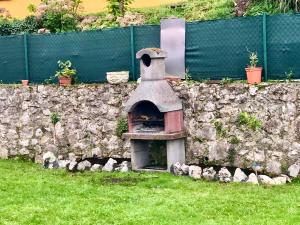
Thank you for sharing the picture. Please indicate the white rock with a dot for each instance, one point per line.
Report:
(280, 180)
(125, 167)
(209, 173)
(293, 170)
(195, 172)
(96, 167)
(185, 169)
(176, 169)
(224, 175)
(252, 179)
(84, 165)
(72, 166)
(264, 179)
(239, 176)
(63, 163)
(49, 157)
(110, 165)
(288, 179)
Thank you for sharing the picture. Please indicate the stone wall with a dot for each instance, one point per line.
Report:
(89, 114)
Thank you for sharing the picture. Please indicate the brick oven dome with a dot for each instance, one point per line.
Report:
(160, 93)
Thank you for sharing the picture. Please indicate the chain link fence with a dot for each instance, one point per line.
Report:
(214, 50)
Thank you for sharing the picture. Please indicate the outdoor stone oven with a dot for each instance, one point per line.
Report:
(154, 116)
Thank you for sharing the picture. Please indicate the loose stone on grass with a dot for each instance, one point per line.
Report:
(50, 160)
(96, 167)
(63, 163)
(252, 179)
(280, 180)
(224, 175)
(124, 167)
(84, 165)
(110, 165)
(195, 172)
(72, 167)
(293, 170)
(209, 174)
(239, 176)
(176, 169)
(185, 169)
(264, 179)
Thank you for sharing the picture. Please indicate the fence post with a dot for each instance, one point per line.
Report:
(132, 46)
(265, 46)
(26, 57)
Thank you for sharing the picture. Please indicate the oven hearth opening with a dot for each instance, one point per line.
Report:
(146, 118)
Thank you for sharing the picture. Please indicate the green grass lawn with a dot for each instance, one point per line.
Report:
(32, 195)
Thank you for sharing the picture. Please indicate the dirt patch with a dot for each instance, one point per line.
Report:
(124, 181)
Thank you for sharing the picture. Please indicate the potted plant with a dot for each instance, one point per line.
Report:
(66, 73)
(25, 83)
(253, 72)
(117, 77)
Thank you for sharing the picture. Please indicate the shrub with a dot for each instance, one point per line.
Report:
(5, 27)
(118, 7)
(14, 26)
(58, 15)
(59, 22)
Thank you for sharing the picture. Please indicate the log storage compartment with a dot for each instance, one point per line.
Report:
(154, 114)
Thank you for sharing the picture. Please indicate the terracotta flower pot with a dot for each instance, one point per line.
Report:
(65, 81)
(254, 75)
(25, 83)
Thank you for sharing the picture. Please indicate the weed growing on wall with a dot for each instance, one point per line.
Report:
(226, 80)
(122, 126)
(234, 140)
(221, 131)
(54, 118)
(231, 155)
(251, 122)
(289, 75)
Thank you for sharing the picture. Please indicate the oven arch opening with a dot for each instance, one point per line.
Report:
(146, 117)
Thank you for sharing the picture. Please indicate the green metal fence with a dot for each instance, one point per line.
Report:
(214, 50)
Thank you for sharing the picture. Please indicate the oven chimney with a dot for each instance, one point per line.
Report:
(152, 64)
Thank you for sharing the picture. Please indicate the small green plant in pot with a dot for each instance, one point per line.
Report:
(253, 72)
(66, 74)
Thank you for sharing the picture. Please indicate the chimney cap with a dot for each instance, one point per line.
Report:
(154, 53)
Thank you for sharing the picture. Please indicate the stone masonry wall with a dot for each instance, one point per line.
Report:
(89, 115)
